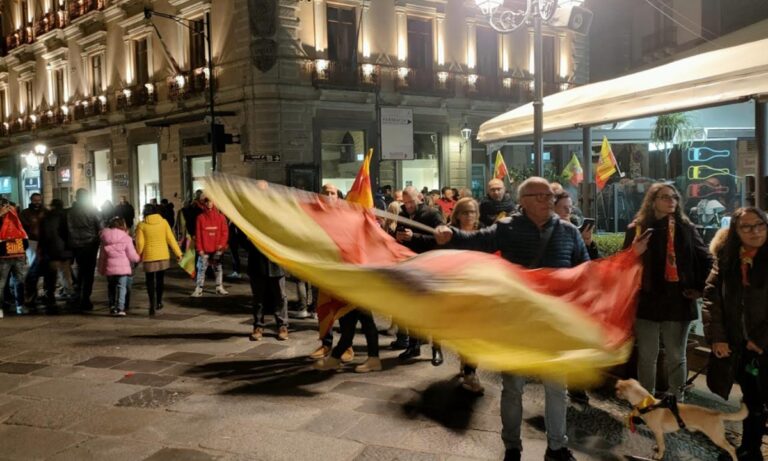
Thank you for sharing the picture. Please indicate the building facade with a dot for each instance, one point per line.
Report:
(121, 98)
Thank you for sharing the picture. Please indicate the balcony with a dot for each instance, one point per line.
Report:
(512, 89)
(136, 96)
(339, 74)
(23, 36)
(425, 81)
(188, 84)
(79, 8)
(53, 118)
(91, 107)
(50, 21)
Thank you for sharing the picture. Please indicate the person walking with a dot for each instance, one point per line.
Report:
(83, 229)
(126, 211)
(210, 241)
(116, 258)
(736, 298)
(55, 255)
(153, 239)
(267, 281)
(30, 219)
(13, 257)
(675, 268)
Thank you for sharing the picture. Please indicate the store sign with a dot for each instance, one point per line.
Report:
(269, 158)
(65, 174)
(120, 179)
(32, 183)
(396, 134)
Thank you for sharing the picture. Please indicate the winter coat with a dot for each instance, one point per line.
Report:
(116, 253)
(190, 213)
(127, 212)
(258, 264)
(30, 219)
(153, 237)
(83, 226)
(212, 233)
(491, 209)
(54, 235)
(520, 240)
(421, 242)
(658, 299)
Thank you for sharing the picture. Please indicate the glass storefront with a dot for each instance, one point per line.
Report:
(30, 179)
(101, 174)
(421, 172)
(198, 168)
(342, 154)
(148, 169)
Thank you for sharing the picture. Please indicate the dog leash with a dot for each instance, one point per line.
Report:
(650, 404)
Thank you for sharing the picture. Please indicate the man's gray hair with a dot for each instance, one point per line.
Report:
(525, 185)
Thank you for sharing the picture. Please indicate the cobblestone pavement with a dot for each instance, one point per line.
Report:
(189, 385)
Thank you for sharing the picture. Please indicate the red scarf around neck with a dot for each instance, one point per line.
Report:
(670, 264)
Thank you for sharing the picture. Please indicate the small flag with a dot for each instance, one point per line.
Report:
(361, 189)
(500, 168)
(188, 258)
(573, 171)
(606, 166)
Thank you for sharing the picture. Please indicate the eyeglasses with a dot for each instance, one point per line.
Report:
(757, 228)
(669, 198)
(544, 197)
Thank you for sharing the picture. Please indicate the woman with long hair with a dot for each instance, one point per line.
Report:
(675, 268)
(153, 238)
(736, 297)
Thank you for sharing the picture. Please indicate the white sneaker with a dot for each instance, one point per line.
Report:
(302, 314)
(234, 275)
(221, 291)
(21, 310)
(1, 313)
(197, 293)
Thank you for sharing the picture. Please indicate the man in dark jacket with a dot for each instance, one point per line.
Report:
(30, 218)
(535, 238)
(83, 228)
(420, 242)
(497, 204)
(54, 254)
(192, 211)
(126, 211)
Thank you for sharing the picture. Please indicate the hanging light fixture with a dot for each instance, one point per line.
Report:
(466, 132)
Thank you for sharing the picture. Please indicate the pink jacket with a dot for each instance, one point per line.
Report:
(116, 253)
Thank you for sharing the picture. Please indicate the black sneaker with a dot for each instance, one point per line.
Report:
(114, 311)
(399, 344)
(562, 454)
(512, 454)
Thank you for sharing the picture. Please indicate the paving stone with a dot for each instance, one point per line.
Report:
(186, 357)
(152, 398)
(20, 368)
(107, 448)
(72, 389)
(333, 422)
(375, 391)
(52, 414)
(24, 443)
(473, 444)
(116, 421)
(147, 379)
(181, 454)
(55, 371)
(105, 375)
(174, 317)
(35, 356)
(180, 369)
(378, 453)
(10, 405)
(146, 366)
(102, 362)
(264, 350)
(9, 382)
(383, 430)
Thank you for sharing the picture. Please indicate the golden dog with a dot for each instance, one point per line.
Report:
(661, 420)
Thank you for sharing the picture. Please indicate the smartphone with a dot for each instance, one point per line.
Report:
(400, 228)
(647, 233)
(587, 224)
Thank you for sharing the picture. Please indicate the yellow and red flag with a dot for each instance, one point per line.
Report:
(560, 324)
(606, 166)
(573, 172)
(361, 189)
(499, 167)
(188, 258)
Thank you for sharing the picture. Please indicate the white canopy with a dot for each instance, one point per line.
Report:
(717, 77)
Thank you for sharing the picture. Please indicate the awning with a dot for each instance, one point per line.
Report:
(714, 78)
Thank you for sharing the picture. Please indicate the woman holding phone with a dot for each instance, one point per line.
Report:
(675, 268)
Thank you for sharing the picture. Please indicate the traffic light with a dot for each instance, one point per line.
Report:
(221, 138)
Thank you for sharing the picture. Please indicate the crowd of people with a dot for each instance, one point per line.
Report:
(731, 277)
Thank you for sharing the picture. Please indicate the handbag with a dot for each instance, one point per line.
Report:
(721, 374)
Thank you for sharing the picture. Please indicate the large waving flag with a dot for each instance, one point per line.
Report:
(606, 166)
(561, 324)
(499, 167)
(573, 172)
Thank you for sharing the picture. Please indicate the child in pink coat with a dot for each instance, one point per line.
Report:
(116, 256)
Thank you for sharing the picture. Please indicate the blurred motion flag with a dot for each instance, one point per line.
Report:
(188, 258)
(500, 168)
(559, 324)
(330, 309)
(573, 172)
(606, 166)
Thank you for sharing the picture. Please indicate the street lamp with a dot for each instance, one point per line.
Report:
(506, 20)
(148, 13)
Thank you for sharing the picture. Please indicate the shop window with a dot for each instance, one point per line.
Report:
(197, 44)
(141, 61)
(487, 52)
(58, 87)
(342, 155)
(198, 168)
(101, 176)
(420, 44)
(423, 170)
(148, 168)
(341, 33)
(96, 74)
(29, 94)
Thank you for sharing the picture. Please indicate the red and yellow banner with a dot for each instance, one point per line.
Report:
(606, 166)
(555, 324)
(499, 167)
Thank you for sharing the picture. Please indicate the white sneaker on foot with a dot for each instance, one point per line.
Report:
(197, 293)
(221, 291)
(302, 314)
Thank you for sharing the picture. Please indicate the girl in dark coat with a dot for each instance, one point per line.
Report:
(675, 268)
(736, 297)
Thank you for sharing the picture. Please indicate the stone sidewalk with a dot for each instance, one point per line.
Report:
(189, 385)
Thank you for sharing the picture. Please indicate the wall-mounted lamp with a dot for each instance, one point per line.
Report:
(466, 132)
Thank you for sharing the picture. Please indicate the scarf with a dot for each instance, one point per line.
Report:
(747, 259)
(670, 264)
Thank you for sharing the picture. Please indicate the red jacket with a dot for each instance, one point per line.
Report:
(212, 232)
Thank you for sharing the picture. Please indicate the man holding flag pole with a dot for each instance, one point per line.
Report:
(497, 203)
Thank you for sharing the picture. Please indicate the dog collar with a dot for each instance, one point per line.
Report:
(637, 410)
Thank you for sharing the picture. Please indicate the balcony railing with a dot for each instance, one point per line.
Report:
(344, 75)
(91, 107)
(53, 117)
(50, 21)
(136, 96)
(23, 36)
(425, 81)
(78, 8)
(188, 84)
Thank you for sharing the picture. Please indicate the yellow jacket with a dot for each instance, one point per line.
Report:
(153, 237)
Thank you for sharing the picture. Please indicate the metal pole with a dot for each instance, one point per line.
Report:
(210, 90)
(538, 93)
(761, 136)
(586, 190)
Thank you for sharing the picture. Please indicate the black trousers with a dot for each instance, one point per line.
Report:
(86, 266)
(155, 287)
(753, 387)
(269, 292)
(348, 323)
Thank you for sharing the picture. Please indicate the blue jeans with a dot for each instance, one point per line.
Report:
(203, 262)
(555, 406)
(13, 285)
(117, 290)
(674, 334)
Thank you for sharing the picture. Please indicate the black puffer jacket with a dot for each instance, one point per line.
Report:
(83, 226)
(54, 235)
(421, 242)
(491, 210)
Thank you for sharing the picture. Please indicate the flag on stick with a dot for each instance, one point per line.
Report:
(500, 168)
(606, 166)
(573, 171)
(188, 258)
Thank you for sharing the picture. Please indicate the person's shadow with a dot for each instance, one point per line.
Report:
(446, 403)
